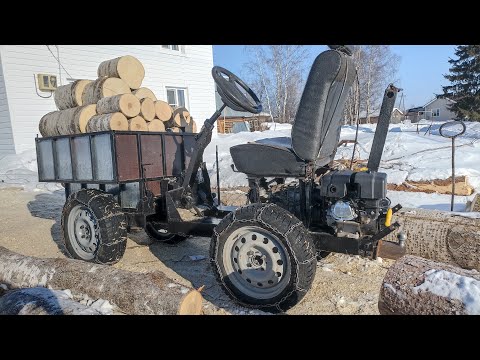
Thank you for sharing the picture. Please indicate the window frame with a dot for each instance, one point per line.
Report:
(170, 47)
(176, 89)
(436, 112)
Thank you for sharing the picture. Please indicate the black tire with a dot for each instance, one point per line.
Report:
(289, 231)
(107, 224)
(154, 232)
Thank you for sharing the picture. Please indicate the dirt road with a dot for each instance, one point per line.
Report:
(343, 284)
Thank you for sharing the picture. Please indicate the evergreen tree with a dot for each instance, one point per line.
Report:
(465, 82)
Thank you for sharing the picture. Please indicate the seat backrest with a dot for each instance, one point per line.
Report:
(317, 125)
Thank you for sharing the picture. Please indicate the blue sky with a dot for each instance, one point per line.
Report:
(420, 73)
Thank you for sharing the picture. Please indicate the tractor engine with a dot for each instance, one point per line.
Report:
(350, 204)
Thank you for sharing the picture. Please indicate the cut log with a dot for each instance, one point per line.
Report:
(147, 110)
(451, 238)
(163, 110)
(127, 104)
(180, 117)
(106, 122)
(127, 68)
(137, 123)
(417, 286)
(133, 293)
(48, 124)
(70, 95)
(143, 93)
(156, 126)
(102, 88)
(66, 122)
(42, 301)
(175, 130)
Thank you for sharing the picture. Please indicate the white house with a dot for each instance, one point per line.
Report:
(439, 109)
(175, 73)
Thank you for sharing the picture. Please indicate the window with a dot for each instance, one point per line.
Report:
(176, 97)
(435, 112)
(172, 47)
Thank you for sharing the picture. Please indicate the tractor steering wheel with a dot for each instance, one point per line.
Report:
(230, 89)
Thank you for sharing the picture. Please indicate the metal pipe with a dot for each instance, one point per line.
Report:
(218, 175)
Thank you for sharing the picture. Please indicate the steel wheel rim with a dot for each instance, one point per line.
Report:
(257, 262)
(83, 232)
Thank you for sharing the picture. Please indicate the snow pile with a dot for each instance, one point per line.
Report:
(452, 286)
(21, 170)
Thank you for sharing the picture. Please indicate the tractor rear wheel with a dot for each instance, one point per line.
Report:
(94, 227)
(263, 257)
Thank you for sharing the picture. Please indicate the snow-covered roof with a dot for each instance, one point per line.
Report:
(439, 97)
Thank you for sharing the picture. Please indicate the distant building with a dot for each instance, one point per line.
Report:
(436, 109)
(397, 117)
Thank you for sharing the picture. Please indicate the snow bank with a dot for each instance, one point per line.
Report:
(407, 156)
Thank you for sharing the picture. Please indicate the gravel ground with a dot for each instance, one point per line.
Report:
(343, 284)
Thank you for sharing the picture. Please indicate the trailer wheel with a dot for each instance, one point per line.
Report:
(263, 257)
(94, 228)
(158, 233)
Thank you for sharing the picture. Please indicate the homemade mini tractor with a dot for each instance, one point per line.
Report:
(264, 254)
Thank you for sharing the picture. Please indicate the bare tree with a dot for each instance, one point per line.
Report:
(377, 66)
(276, 72)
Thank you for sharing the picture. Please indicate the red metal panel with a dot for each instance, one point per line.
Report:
(127, 157)
(154, 187)
(152, 155)
(173, 154)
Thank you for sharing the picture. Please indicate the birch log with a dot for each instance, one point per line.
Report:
(147, 109)
(42, 301)
(137, 123)
(156, 126)
(66, 122)
(70, 95)
(133, 293)
(163, 110)
(143, 93)
(192, 126)
(418, 286)
(107, 122)
(127, 68)
(102, 88)
(180, 117)
(127, 104)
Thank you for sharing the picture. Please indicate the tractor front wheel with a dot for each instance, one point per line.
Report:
(263, 257)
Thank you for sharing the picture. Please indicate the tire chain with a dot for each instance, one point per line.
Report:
(257, 218)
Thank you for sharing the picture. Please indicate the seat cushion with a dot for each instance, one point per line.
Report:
(268, 157)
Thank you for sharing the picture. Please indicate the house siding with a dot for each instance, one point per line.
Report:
(189, 69)
(441, 104)
(6, 137)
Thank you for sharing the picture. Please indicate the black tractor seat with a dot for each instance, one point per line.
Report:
(268, 157)
(316, 130)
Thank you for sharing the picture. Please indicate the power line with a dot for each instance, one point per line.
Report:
(51, 52)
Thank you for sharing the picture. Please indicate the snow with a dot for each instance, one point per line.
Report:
(453, 286)
(407, 156)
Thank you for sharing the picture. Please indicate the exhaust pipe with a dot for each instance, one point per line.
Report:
(382, 127)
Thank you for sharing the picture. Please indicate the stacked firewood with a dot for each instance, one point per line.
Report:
(114, 101)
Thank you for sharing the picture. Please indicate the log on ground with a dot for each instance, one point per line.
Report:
(70, 95)
(418, 286)
(128, 68)
(106, 122)
(127, 104)
(442, 236)
(42, 301)
(133, 293)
